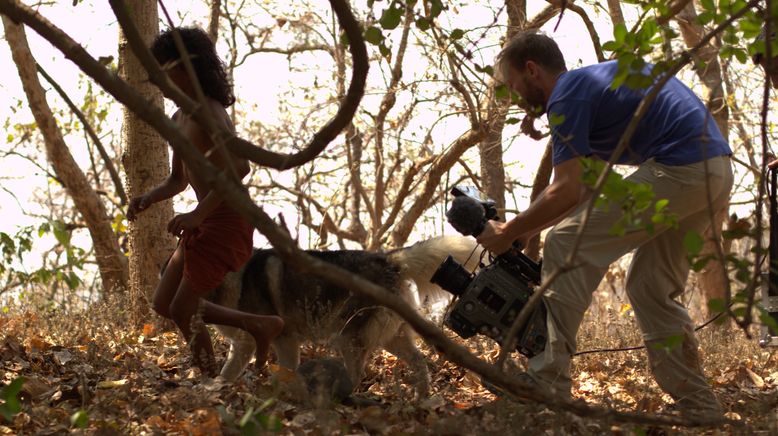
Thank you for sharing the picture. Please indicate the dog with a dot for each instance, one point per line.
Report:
(315, 310)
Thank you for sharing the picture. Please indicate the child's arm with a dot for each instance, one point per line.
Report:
(173, 184)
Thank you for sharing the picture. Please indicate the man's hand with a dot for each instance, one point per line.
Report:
(184, 222)
(495, 238)
(137, 205)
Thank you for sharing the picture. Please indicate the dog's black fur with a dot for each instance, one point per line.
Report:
(316, 310)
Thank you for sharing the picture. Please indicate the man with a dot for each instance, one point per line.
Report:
(678, 151)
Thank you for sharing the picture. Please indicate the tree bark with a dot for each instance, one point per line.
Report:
(146, 164)
(110, 260)
(490, 149)
(213, 20)
(614, 10)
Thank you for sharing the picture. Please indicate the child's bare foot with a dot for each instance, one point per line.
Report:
(264, 329)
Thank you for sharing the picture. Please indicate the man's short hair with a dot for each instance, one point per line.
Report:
(531, 46)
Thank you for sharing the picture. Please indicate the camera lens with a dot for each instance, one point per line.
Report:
(452, 277)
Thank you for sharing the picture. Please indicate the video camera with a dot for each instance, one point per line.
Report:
(490, 299)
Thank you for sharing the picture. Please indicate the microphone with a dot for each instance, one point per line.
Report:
(466, 215)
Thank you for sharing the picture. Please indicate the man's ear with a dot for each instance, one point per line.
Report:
(532, 69)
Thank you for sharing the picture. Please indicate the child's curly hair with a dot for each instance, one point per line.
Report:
(209, 68)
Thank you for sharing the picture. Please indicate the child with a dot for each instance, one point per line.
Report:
(214, 239)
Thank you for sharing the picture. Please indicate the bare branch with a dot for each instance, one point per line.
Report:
(115, 178)
(213, 20)
(241, 147)
(590, 28)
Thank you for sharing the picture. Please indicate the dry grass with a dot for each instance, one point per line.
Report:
(141, 382)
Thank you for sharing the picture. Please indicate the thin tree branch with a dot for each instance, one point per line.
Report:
(115, 178)
(241, 147)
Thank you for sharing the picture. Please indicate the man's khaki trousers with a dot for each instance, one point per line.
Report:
(657, 275)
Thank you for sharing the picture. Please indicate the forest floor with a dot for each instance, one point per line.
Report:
(91, 374)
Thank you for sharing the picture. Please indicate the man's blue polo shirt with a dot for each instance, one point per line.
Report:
(587, 118)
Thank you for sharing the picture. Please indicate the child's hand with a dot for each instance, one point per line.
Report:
(184, 222)
(136, 206)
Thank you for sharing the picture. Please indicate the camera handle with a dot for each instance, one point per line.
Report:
(468, 215)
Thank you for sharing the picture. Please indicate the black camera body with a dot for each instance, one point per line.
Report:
(489, 300)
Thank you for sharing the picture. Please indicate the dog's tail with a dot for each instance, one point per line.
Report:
(419, 262)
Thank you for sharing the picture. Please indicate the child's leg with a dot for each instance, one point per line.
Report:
(183, 309)
(169, 282)
(263, 328)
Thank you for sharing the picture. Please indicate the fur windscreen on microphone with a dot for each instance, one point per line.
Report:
(466, 215)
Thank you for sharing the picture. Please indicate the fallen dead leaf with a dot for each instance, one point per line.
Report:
(755, 378)
(149, 330)
(110, 384)
(62, 357)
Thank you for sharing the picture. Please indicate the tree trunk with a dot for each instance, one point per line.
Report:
(541, 182)
(712, 279)
(614, 10)
(146, 164)
(213, 20)
(490, 149)
(110, 259)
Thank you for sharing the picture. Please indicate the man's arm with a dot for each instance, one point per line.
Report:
(555, 202)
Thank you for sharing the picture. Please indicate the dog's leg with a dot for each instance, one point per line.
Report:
(287, 348)
(403, 347)
(242, 347)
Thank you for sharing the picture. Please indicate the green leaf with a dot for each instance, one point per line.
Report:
(741, 55)
(487, 69)
(620, 32)
(512, 120)
(436, 7)
(501, 92)
(9, 395)
(373, 35)
(79, 419)
(717, 305)
(391, 18)
(555, 119)
(61, 233)
(423, 24)
(693, 243)
(767, 319)
(611, 46)
(385, 51)
(661, 204)
(456, 34)
(72, 280)
(708, 5)
(669, 343)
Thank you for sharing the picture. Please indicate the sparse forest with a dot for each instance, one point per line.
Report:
(357, 117)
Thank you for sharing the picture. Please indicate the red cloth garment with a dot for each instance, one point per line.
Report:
(222, 243)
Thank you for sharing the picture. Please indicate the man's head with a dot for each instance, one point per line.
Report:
(770, 65)
(202, 53)
(529, 64)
